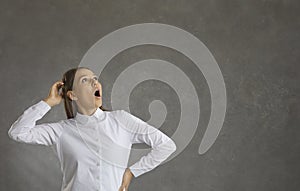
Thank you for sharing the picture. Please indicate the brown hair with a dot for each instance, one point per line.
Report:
(68, 79)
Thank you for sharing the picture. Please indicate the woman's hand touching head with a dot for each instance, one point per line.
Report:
(54, 97)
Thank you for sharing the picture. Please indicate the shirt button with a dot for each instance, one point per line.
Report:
(98, 163)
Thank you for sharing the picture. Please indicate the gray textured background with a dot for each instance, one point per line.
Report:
(256, 44)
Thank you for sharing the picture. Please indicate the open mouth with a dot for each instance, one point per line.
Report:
(97, 93)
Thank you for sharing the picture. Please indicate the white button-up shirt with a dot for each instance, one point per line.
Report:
(94, 150)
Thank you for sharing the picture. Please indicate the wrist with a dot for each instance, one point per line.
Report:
(48, 102)
(128, 170)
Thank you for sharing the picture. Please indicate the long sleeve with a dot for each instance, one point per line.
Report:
(141, 132)
(25, 130)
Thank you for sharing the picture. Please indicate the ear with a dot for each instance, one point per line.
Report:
(72, 95)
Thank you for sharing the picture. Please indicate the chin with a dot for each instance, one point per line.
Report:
(98, 105)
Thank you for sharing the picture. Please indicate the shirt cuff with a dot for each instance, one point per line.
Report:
(42, 106)
(135, 172)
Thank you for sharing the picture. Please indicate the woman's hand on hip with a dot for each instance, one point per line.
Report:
(54, 98)
(127, 176)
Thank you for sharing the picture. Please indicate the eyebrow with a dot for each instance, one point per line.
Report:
(86, 75)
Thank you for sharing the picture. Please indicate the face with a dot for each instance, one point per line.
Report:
(84, 90)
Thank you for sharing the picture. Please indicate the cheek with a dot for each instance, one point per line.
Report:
(84, 93)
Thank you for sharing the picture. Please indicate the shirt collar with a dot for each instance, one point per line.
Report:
(97, 115)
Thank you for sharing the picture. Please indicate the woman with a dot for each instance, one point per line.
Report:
(92, 144)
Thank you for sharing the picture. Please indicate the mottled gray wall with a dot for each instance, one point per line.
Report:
(256, 44)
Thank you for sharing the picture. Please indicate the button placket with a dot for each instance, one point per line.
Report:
(98, 161)
(98, 176)
(100, 165)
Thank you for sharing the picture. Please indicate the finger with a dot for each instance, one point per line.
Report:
(125, 187)
(122, 188)
(59, 83)
(54, 87)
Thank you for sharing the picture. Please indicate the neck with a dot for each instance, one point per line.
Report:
(85, 111)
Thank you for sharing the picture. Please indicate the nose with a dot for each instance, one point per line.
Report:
(94, 82)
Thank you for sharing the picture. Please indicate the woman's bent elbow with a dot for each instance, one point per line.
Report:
(173, 146)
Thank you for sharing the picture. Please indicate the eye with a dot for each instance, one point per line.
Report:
(83, 80)
(95, 78)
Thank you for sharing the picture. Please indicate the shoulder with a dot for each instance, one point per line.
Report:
(118, 111)
(64, 124)
(126, 119)
(118, 115)
(131, 121)
(123, 115)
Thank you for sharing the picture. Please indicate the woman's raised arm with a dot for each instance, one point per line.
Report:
(25, 130)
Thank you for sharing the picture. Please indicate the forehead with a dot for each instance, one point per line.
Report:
(82, 72)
